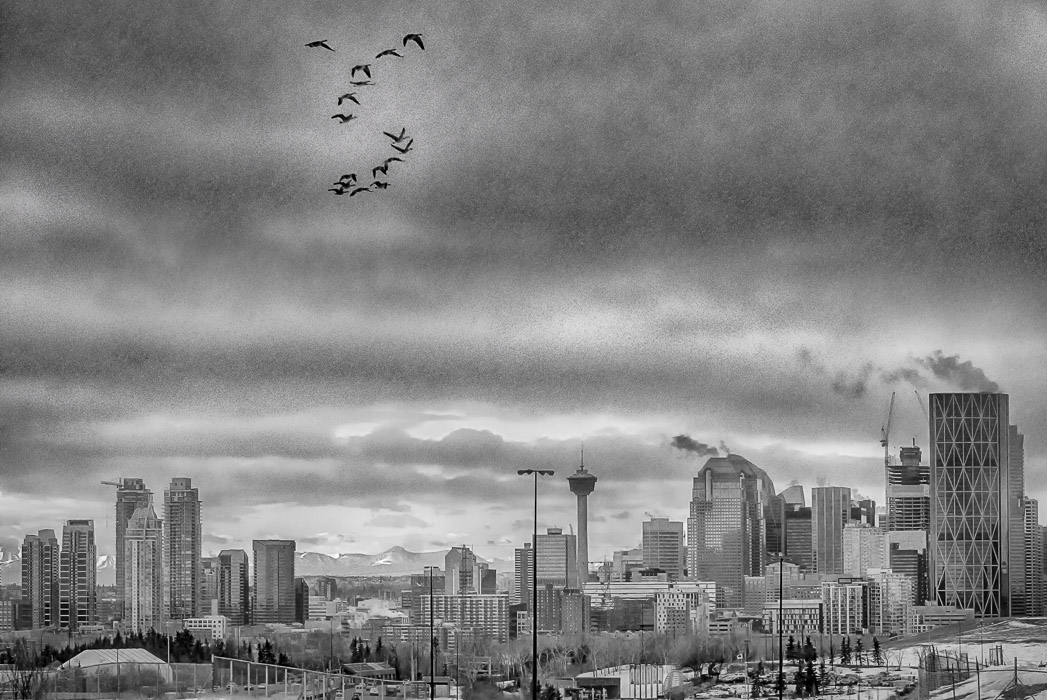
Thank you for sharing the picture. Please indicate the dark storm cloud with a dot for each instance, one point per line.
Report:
(853, 386)
(961, 374)
(688, 444)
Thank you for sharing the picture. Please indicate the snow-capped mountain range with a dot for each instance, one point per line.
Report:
(396, 561)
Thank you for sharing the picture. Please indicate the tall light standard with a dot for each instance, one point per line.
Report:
(781, 626)
(534, 579)
(432, 639)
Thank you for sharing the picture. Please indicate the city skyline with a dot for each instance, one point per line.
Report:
(741, 224)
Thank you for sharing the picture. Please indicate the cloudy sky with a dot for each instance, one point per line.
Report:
(743, 222)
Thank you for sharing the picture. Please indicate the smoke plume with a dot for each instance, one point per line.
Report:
(689, 444)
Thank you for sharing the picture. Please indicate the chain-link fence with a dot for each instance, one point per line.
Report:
(106, 680)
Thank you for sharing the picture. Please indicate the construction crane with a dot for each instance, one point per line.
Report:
(885, 436)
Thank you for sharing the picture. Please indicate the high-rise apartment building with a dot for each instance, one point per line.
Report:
(144, 571)
(488, 615)
(76, 589)
(522, 574)
(233, 586)
(726, 530)
(970, 507)
(864, 548)
(556, 559)
(273, 591)
(131, 494)
(663, 547)
(40, 579)
(182, 544)
(830, 511)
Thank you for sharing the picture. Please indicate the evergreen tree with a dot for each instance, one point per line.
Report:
(790, 649)
(845, 651)
(832, 651)
(859, 653)
(809, 654)
(877, 652)
(798, 680)
(810, 679)
(823, 676)
(283, 660)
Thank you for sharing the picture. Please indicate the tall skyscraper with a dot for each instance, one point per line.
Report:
(970, 507)
(582, 484)
(144, 570)
(233, 586)
(663, 546)
(460, 571)
(182, 545)
(208, 585)
(76, 591)
(909, 520)
(1035, 591)
(131, 494)
(273, 591)
(40, 579)
(726, 530)
(830, 511)
(1020, 584)
(555, 557)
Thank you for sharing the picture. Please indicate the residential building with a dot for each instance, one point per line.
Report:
(182, 546)
(234, 601)
(864, 548)
(273, 592)
(845, 607)
(726, 530)
(487, 614)
(144, 571)
(522, 573)
(663, 546)
(681, 611)
(76, 589)
(830, 511)
(891, 597)
(970, 510)
(800, 617)
(131, 494)
(41, 579)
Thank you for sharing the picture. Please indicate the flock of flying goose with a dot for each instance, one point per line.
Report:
(349, 183)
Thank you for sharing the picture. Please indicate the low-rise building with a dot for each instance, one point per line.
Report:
(215, 625)
(927, 617)
(799, 616)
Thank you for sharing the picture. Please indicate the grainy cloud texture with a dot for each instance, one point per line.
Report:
(736, 223)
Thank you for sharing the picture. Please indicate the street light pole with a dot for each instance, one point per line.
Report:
(534, 579)
(432, 639)
(781, 627)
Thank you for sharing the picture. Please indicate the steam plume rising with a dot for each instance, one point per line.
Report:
(964, 375)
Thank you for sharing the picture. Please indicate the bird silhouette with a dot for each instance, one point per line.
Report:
(379, 185)
(346, 179)
(343, 118)
(384, 169)
(390, 159)
(405, 149)
(416, 38)
(337, 190)
(348, 96)
(360, 83)
(388, 52)
(358, 190)
(321, 44)
(364, 68)
(397, 139)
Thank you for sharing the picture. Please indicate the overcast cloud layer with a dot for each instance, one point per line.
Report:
(665, 229)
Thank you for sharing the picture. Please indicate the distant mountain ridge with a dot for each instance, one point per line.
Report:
(395, 561)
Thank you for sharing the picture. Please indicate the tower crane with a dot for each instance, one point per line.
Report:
(885, 435)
